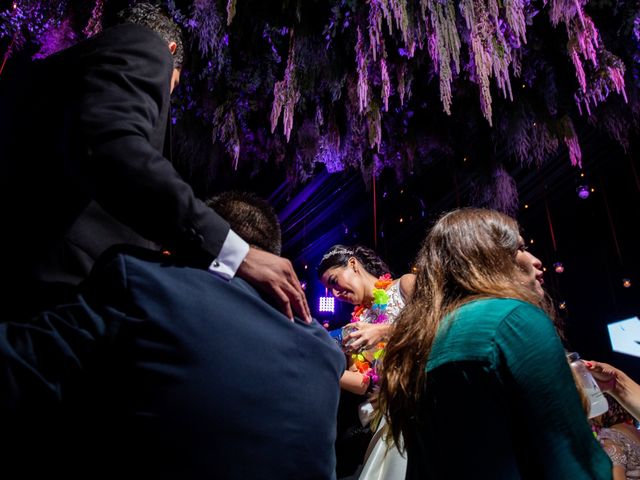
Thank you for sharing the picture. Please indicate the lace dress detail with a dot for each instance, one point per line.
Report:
(622, 450)
(395, 305)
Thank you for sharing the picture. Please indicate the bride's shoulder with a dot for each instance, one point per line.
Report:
(407, 283)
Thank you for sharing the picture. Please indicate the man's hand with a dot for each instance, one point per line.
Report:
(275, 276)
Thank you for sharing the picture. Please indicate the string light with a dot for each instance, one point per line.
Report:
(558, 267)
(562, 306)
(626, 282)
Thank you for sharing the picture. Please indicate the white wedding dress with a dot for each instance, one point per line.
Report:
(383, 461)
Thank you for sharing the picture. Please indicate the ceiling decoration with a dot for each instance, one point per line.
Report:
(387, 84)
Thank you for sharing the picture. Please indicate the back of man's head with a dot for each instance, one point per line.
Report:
(155, 18)
(251, 217)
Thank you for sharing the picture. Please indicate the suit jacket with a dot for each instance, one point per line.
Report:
(166, 371)
(82, 135)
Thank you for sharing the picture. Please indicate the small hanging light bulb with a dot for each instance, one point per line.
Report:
(583, 192)
(558, 267)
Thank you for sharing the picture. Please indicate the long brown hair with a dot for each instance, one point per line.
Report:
(468, 254)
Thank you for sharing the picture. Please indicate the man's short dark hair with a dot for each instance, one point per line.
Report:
(158, 20)
(251, 217)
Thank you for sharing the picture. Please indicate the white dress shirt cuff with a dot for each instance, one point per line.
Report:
(231, 255)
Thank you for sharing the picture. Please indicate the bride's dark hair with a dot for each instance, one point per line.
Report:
(339, 255)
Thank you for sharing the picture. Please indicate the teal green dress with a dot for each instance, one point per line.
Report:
(500, 402)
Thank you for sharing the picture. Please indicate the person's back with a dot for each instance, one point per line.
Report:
(476, 378)
(83, 133)
(192, 376)
(84, 170)
(488, 414)
(55, 228)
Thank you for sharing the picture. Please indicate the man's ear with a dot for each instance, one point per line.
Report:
(172, 47)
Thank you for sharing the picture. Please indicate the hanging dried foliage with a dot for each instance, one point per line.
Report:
(385, 82)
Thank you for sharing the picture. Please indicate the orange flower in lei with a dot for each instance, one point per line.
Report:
(384, 281)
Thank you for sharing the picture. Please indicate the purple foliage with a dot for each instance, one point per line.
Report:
(361, 83)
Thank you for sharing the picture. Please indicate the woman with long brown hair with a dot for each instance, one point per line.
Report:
(475, 376)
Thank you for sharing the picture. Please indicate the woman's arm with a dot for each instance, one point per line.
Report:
(618, 384)
(619, 473)
(354, 382)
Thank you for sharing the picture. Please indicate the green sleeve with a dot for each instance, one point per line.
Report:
(535, 367)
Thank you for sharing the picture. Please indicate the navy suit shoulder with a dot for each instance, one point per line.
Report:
(213, 380)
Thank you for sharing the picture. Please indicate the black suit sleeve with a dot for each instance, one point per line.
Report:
(122, 115)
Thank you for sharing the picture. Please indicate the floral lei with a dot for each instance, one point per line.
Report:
(364, 364)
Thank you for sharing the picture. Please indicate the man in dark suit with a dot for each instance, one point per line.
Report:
(160, 370)
(82, 134)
